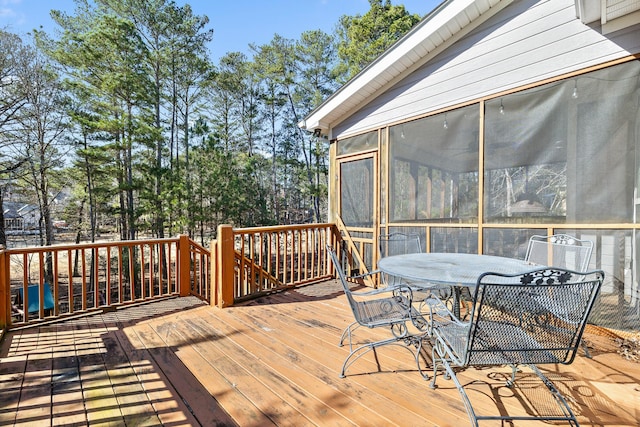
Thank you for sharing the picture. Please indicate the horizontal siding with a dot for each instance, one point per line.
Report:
(529, 41)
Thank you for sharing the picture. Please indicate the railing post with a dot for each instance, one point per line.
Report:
(185, 265)
(226, 266)
(5, 290)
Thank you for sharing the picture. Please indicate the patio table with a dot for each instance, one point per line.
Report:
(453, 269)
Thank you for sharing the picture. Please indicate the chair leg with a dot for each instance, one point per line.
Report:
(347, 333)
(511, 381)
(560, 400)
(437, 359)
(441, 358)
(420, 340)
(568, 415)
(365, 348)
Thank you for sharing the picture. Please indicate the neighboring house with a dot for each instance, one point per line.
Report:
(30, 215)
(20, 216)
(494, 120)
(12, 220)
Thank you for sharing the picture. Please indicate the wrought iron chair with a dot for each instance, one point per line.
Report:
(400, 244)
(392, 309)
(529, 319)
(561, 250)
(397, 244)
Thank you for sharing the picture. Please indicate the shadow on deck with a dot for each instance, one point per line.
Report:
(271, 361)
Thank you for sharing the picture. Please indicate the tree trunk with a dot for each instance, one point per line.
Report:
(3, 236)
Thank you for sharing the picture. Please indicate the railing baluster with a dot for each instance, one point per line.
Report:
(148, 291)
(141, 265)
(96, 277)
(159, 269)
(83, 276)
(70, 282)
(299, 246)
(291, 253)
(132, 274)
(259, 267)
(107, 276)
(40, 283)
(252, 265)
(120, 276)
(25, 284)
(242, 271)
(147, 285)
(56, 292)
(143, 276)
(169, 270)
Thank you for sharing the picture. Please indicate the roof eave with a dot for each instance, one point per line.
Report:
(439, 26)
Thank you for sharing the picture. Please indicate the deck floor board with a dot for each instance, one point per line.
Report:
(270, 361)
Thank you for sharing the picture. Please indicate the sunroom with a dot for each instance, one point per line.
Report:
(491, 122)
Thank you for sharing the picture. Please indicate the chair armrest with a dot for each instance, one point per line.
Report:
(440, 313)
(403, 289)
(371, 273)
(450, 334)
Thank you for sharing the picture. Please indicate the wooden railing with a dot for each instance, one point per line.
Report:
(242, 263)
(85, 277)
(198, 269)
(250, 262)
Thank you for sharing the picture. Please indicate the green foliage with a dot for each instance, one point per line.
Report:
(361, 39)
(162, 141)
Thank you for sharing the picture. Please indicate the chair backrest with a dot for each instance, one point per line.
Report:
(399, 244)
(560, 250)
(531, 318)
(343, 278)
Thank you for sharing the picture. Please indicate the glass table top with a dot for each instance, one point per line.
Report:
(451, 268)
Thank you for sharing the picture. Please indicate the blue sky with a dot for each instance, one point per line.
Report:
(236, 23)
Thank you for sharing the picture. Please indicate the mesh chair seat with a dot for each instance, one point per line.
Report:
(516, 346)
(383, 311)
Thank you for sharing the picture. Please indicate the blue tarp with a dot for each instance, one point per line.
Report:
(34, 298)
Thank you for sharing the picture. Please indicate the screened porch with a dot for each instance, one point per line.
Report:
(559, 157)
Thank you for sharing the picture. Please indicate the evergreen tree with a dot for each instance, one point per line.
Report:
(165, 141)
(361, 39)
(13, 57)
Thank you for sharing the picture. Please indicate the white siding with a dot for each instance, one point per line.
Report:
(528, 41)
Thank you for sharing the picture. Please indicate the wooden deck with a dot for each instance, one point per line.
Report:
(273, 361)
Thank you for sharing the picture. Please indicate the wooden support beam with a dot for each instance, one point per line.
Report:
(225, 260)
(184, 260)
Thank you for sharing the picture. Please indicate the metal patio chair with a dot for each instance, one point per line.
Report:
(400, 244)
(397, 244)
(541, 319)
(386, 308)
(561, 250)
